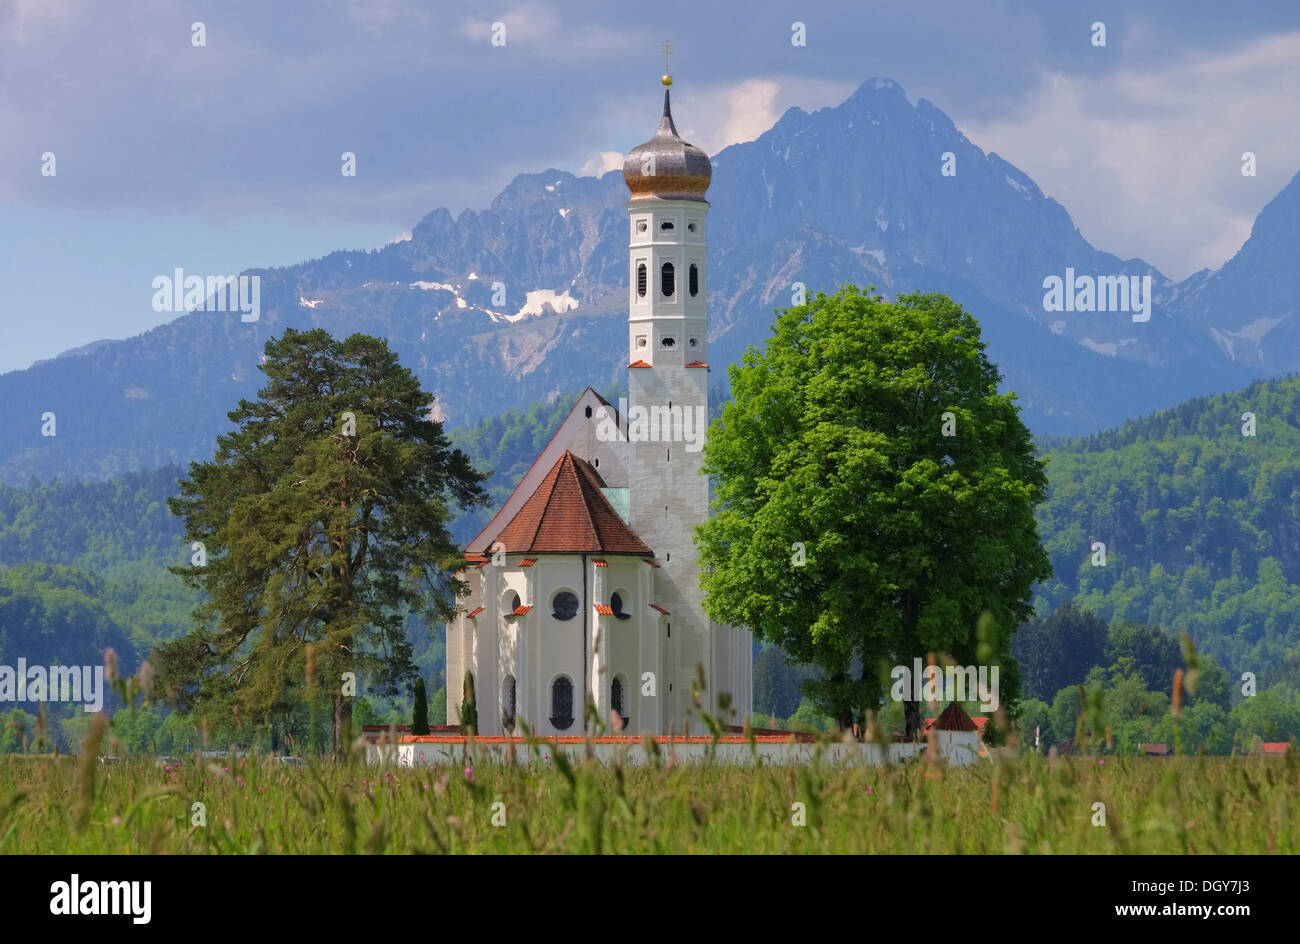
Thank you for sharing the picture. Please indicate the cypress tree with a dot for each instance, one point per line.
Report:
(468, 707)
(420, 716)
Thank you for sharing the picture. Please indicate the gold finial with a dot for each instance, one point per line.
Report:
(667, 79)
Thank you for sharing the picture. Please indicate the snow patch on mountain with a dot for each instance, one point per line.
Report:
(536, 302)
(441, 287)
(877, 254)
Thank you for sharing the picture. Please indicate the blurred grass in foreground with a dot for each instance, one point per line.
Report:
(1027, 804)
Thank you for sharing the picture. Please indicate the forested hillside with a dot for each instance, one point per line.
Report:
(1201, 524)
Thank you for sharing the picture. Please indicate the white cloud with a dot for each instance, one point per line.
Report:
(26, 20)
(714, 117)
(752, 108)
(601, 164)
(535, 26)
(1148, 160)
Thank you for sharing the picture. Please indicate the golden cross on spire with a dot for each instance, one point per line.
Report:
(668, 51)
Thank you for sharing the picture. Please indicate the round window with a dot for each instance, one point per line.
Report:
(564, 606)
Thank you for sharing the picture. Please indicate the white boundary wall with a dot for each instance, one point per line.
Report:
(960, 748)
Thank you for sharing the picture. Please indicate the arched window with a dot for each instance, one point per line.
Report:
(508, 703)
(616, 604)
(618, 700)
(564, 605)
(667, 280)
(694, 279)
(640, 279)
(512, 603)
(562, 703)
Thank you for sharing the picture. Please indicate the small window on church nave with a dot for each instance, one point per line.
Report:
(616, 604)
(618, 698)
(512, 602)
(508, 703)
(564, 605)
(562, 703)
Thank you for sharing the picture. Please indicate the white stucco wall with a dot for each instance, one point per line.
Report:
(959, 750)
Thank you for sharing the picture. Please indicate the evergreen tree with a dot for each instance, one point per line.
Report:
(468, 706)
(420, 715)
(324, 517)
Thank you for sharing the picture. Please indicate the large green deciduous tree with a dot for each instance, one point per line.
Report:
(875, 496)
(323, 519)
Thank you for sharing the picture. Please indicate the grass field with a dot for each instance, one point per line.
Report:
(1164, 805)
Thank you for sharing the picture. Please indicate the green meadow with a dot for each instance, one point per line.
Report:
(1006, 805)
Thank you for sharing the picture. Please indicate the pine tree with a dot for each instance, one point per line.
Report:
(420, 715)
(324, 517)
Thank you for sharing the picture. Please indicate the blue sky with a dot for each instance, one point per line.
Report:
(224, 157)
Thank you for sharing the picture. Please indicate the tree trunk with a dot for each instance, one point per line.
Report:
(843, 712)
(912, 717)
(341, 730)
(910, 612)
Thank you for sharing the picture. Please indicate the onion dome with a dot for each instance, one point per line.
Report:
(666, 167)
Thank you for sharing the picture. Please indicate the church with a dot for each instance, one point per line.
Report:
(585, 584)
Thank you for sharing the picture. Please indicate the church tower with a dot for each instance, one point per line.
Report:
(668, 407)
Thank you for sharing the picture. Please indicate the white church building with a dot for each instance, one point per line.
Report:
(585, 585)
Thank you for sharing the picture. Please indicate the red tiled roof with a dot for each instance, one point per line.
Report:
(567, 514)
(697, 364)
(522, 610)
(489, 528)
(656, 606)
(604, 609)
(476, 612)
(600, 563)
(476, 558)
(979, 721)
(528, 562)
(638, 364)
(650, 562)
(953, 718)
(1276, 747)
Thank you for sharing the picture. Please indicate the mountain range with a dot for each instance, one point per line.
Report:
(853, 193)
